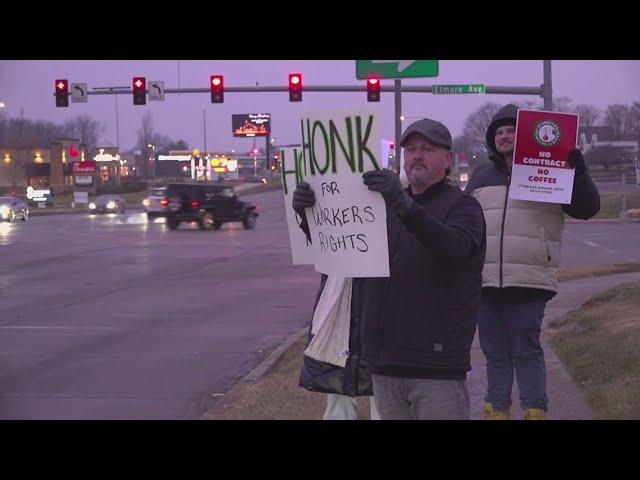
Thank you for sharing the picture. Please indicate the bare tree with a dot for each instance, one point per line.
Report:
(19, 134)
(618, 118)
(87, 130)
(476, 125)
(179, 145)
(587, 114)
(634, 119)
(145, 138)
(562, 104)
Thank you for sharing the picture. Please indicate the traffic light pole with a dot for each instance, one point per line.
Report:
(544, 91)
(398, 122)
(537, 91)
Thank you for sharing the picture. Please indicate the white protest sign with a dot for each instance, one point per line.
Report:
(348, 223)
(292, 168)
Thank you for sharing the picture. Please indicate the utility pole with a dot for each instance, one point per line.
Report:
(204, 120)
(117, 127)
(547, 90)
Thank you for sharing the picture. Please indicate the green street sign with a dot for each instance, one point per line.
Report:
(396, 68)
(455, 89)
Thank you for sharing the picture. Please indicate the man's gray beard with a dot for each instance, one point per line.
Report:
(419, 179)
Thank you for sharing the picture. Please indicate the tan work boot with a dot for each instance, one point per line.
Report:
(534, 414)
(491, 414)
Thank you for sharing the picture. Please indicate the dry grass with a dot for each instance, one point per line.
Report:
(277, 396)
(611, 203)
(599, 345)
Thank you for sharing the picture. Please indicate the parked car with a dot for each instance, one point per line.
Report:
(12, 208)
(107, 204)
(153, 203)
(209, 205)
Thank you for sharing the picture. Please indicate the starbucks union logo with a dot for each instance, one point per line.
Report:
(547, 133)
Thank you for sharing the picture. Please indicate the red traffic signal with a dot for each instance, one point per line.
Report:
(217, 88)
(139, 91)
(62, 93)
(373, 90)
(295, 87)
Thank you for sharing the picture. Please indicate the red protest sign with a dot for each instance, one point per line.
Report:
(541, 172)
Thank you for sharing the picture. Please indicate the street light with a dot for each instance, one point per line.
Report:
(255, 162)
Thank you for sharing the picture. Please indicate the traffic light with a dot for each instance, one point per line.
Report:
(217, 89)
(139, 91)
(295, 87)
(373, 90)
(62, 93)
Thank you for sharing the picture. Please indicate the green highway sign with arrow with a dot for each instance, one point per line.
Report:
(455, 89)
(396, 68)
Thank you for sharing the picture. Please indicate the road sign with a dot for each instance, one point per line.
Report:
(78, 93)
(156, 90)
(396, 68)
(455, 89)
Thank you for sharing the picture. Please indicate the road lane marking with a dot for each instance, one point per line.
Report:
(51, 327)
(612, 252)
(153, 315)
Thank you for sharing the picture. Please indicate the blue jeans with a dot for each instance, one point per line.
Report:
(510, 339)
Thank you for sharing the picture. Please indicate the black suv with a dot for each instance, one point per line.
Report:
(209, 205)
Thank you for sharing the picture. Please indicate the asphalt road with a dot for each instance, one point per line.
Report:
(609, 186)
(587, 244)
(114, 317)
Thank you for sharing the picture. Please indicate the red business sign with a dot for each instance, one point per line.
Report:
(83, 168)
(541, 172)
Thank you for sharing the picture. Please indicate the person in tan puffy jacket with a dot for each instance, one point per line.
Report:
(520, 274)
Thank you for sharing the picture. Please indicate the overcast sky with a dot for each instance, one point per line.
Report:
(28, 86)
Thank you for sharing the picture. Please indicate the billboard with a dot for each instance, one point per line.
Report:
(251, 124)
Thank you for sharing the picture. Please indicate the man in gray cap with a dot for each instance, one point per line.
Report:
(419, 323)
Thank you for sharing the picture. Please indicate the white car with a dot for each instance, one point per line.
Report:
(157, 202)
(12, 208)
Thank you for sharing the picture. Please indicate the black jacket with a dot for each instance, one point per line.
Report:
(420, 321)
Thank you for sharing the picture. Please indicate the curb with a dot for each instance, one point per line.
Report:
(606, 220)
(598, 220)
(216, 412)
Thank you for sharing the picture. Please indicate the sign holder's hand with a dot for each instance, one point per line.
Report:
(387, 182)
(303, 197)
(576, 160)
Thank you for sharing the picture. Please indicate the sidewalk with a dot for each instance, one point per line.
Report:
(566, 401)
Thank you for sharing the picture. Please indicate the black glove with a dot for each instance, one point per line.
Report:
(303, 197)
(387, 182)
(576, 160)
